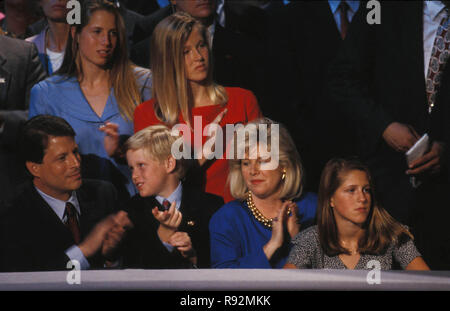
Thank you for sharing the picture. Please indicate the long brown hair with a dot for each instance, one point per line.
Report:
(381, 229)
(170, 84)
(122, 76)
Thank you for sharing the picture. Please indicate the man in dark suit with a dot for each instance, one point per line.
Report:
(58, 217)
(20, 69)
(381, 81)
(236, 56)
(170, 219)
(304, 38)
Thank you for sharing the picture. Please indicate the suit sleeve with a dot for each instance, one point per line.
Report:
(349, 81)
(35, 71)
(13, 118)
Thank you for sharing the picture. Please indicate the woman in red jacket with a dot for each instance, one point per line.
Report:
(183, 89)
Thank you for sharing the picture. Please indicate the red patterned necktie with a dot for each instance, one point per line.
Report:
(343, 9)
(72, 222)
(439, 56)
(166, 205)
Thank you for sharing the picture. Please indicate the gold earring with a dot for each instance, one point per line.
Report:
(283, 177)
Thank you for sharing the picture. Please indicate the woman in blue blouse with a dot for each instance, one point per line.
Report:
(255, 231)
(96, 91)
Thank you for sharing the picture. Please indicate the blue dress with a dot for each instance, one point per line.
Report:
(62, 97)
(237, 238)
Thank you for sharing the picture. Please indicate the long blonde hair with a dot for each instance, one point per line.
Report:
(170, 84)
(122, 75)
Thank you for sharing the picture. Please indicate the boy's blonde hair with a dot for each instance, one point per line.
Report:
(156, 142)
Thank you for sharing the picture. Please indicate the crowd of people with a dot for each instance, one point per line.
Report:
(94, 117)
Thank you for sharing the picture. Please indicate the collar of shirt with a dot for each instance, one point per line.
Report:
(59, 206)
(334, 4)
(175, 196)
(433, 9)
(220, 11)
(210, 31)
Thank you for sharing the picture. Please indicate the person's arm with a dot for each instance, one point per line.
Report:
(115, 237)
(182, 242)
(226, 245)
(409, 258)
(279, 224)
(304, 246)
(213, 127)
(417, 264)
(35, 72)
(431, 162)
(289, 266)
(169, 221)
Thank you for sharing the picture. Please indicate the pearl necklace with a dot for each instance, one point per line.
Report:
(257, 214)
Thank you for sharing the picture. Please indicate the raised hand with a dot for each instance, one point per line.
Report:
(211, 141)
(95, 239)
(293, 227)
(169, 221)
(183, 243)
(115, 235)
(111, 140)
(400, 137)
(430, 162)
(278, 223)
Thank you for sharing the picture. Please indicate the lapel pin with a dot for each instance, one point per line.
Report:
(190, 223)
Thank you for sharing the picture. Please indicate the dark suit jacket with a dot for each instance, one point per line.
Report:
(303, 41)
(33, 238)
(143, 7)
(144, 249)
(20, 69)
(379, 78)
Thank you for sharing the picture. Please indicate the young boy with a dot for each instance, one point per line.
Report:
(170, 221)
